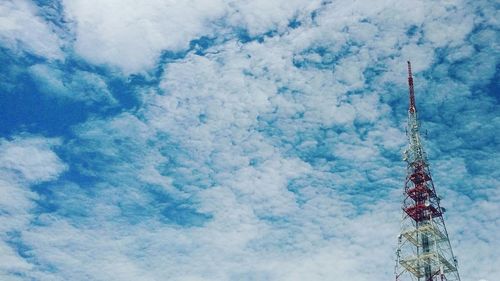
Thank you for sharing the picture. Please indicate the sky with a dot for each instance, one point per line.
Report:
(214, 140)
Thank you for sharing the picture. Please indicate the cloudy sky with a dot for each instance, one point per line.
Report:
(216, 140)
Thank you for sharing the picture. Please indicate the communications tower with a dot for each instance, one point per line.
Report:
(424, 250)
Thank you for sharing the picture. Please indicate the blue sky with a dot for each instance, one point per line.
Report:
(240, 140)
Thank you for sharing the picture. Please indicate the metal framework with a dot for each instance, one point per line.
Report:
(424, 250)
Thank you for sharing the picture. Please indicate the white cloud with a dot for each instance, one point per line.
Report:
(23, 161)
(262, 16)
(131, 34)
(22, 29)
(80, 85)
(31, 159)
(450, 30)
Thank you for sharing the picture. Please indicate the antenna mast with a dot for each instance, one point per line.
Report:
(412, 91)
(424, 250)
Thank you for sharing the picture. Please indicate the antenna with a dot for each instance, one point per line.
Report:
(412, 91)
(422, 224)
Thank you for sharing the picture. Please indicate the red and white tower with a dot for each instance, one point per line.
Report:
(424, 250)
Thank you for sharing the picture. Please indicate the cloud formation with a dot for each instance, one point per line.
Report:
(23, 161)
(22, 29)
(236, 140)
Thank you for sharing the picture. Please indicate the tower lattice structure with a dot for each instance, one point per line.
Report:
(424, 250)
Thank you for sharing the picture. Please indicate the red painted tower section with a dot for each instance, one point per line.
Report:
(412, 91)
(424, 250)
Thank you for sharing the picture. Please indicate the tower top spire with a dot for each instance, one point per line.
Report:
(412, 108)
